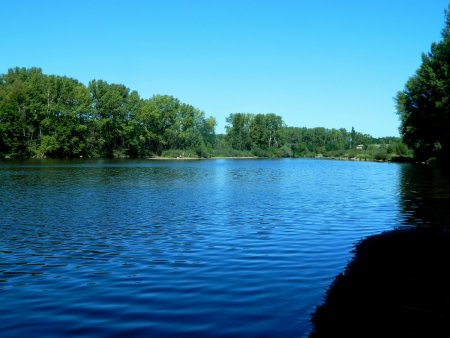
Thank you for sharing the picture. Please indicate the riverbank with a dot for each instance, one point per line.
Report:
(355, 159)
(203, 158)
(397, 285)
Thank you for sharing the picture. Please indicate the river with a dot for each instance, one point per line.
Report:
(192, 248)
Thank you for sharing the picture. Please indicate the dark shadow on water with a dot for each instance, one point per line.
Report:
(398, 283)
(425, 196)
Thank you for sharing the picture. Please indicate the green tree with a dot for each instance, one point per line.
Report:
(63, 129)
(110, 109)
(135, 129)
(238, 130)
(424, 104)
(167, 123)
(353, 140)
(208, 131)
(265, 130)
(161, 124)
(22, 107)
(27, 93)
(12, 138)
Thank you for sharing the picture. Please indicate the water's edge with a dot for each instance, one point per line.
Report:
(396, 285)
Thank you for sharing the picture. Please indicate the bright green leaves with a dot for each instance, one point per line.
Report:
(250, 132)
(238, 130)
(53, 116)
(170, 124)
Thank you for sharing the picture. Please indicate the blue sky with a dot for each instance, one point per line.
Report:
(317, 63)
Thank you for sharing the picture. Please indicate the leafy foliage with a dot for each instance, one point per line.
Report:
(267, 136)
(424, 104)
(53, 116)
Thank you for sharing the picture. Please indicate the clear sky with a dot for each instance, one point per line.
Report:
(317, 63)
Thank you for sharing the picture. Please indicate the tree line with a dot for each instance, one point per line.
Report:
(53, 116)
(267, 135)
(59, 117)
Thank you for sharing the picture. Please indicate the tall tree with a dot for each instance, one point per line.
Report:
(22, 106)
(265, 130)
(63, 129)
(238, 130)
(110, 107)
(424, 104)
(160, 120)
(208, 131)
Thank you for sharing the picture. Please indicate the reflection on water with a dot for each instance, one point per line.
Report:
(179, 248)
(425, 196)
(398, 280)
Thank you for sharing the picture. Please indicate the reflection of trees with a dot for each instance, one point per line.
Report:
(425, 196)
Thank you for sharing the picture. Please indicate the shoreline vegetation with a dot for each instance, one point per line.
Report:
(357, 159)
(197, 158)
(51, 116)
(395, 286)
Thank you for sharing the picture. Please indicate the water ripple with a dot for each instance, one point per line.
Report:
(203, 248)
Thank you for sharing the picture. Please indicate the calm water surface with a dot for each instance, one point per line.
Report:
(189, 248)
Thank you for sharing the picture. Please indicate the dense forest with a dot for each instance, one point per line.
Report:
(53, 116)
(424, 104)
(59, 117)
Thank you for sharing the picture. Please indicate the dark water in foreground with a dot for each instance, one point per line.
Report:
(191, 248)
